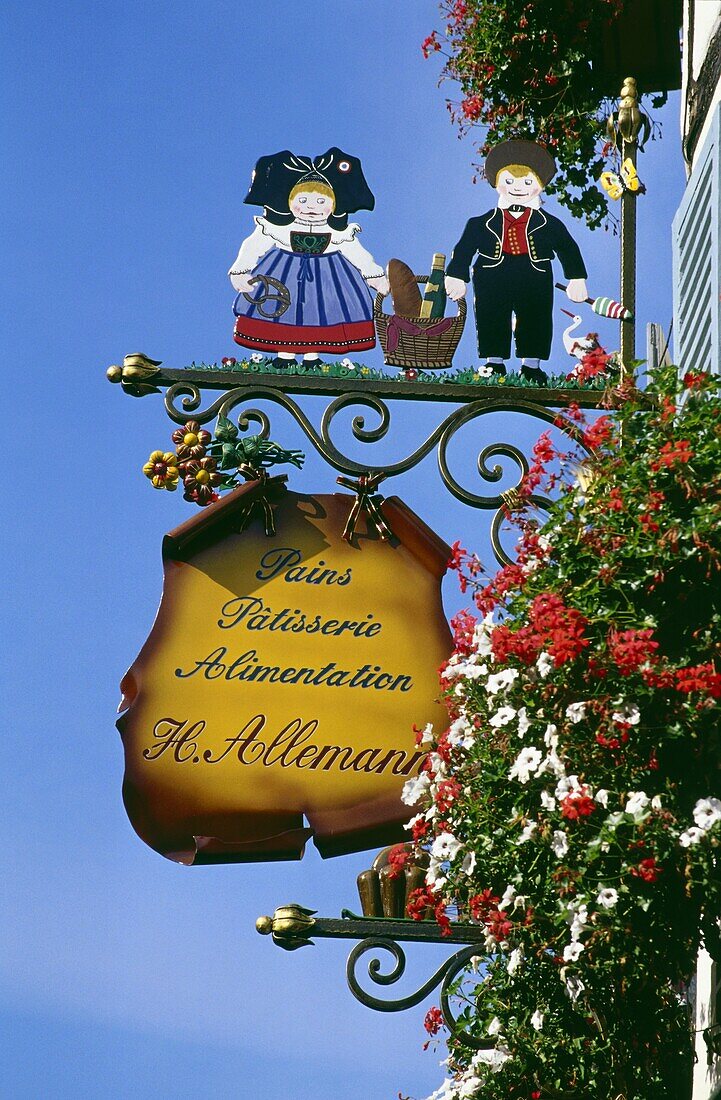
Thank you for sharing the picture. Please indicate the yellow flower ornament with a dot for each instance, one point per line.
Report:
(162, 470)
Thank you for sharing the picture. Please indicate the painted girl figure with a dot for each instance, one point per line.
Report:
(304, 281)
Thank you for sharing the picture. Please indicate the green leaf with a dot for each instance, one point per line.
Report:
(225, 430)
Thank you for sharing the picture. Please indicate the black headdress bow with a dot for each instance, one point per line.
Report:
(275, 176)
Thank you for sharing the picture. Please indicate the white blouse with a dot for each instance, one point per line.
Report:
(266, 235)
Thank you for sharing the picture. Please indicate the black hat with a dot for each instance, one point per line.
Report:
(276, 175)
(517, 151)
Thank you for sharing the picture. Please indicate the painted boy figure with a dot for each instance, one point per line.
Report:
(512, 275)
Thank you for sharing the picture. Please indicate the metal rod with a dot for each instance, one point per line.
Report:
(388, 388)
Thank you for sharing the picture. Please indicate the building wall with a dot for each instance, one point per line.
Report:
(701, 88)
(696, 322)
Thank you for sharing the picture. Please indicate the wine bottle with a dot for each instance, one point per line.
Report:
(434, 295)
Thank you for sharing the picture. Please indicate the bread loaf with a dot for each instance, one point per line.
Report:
(404, 289)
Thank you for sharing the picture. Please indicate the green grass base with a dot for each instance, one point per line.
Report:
(468, 376)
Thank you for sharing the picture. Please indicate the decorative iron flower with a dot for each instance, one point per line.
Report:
(200, 478)
(162, 470)
(191, 440)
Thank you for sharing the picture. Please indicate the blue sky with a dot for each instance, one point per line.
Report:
(131, 131)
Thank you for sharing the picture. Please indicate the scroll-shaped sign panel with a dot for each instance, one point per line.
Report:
(275, 697)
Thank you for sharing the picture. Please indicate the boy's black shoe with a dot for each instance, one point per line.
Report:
(534, 374)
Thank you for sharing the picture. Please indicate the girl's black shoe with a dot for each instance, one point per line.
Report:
(283, 364)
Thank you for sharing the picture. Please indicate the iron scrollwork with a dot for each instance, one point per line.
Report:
(294, 926)
(184, 398)
(445, 976)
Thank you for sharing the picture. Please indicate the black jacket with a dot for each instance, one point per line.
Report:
(547, 237)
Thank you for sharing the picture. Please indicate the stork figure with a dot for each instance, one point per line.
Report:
(581, 346)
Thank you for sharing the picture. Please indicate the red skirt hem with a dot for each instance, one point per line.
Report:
(260, 335)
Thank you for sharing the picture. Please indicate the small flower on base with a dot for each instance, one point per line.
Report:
(229, 361)
(410, 373)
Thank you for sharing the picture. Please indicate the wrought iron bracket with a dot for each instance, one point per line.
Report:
(293, 926)
(183, 399)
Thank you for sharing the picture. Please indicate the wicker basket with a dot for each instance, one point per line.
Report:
(422, 342)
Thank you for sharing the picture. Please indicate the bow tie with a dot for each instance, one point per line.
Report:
(517, 208)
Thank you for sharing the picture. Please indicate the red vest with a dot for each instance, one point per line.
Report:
(515, 240)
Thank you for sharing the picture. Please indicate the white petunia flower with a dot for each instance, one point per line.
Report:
(602, 797)
(438, 765)
(527, 832)
(566, 786)
(494, 1028)
(502, 717)
(501, 681)
(574, 987)
(445, 846)
(544, 664)
(707, 812)
(434, 875)
(525, 764)
(629, 714)
(579, 923)
(523, 722)
(515, 961)
(607, 897)
(460, 734)
(413, 821)
(537, 1020)
(636, 803)
(469, 863)
(482, 635)
(572, 951)
(509, 896)
(553, 764)
(494, 1058)
(656, 802)
(427, 737)
(691, 837)
(559, 843)
(548, 802)
(576, 712)
(550, 737)
(415, 788)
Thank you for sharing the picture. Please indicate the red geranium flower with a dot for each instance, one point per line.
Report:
(433, 1021)
(702, 678)
(648, 870)
(481, 904)
(672, 454)
(630, 649)
(398, 857)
